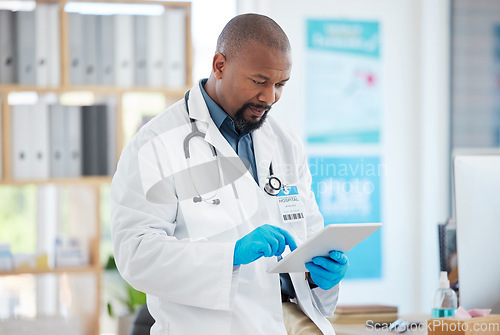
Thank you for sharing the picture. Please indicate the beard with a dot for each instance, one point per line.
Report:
(245, 126)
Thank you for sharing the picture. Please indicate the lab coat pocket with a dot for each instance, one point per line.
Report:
(298, 229)
(216, 213)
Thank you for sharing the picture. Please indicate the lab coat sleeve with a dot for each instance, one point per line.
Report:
(324, 300)
(196, 273)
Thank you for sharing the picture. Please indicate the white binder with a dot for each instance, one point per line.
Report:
(89, 50)
(56, 148)
(124, 50)
(175, 44)
(7, 44)
(141, 49)
(54, 45)
(75, 24)
(26, 48)
(21, 141)
(156, 55)
(39, 125)
(73, 138)
(105, 46)
(42, 44)
(1, 145)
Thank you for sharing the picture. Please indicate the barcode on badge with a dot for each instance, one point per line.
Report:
(294, 216)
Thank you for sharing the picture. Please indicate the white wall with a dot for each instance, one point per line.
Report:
(208, 19)
(415, 134)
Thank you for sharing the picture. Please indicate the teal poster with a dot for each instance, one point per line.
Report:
(348, 190)
(343, 82)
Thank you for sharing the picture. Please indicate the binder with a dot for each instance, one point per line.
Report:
(54, 46)
(75, 24)
(175, 44)
(39, 130)
(1, 144)
(89, 50)
(111, 132)
(57, 154)
(124, 53)
(94, 140)
(105, 47)
(156, 56)
(7, 48)
(73, 139)
(141, 49)
(42, 44)
(21, 141)
(26, 48)
(65, 141)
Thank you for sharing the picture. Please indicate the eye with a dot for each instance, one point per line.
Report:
(280, 85)
(258, 82)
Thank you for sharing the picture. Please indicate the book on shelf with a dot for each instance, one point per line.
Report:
(89, 56)
(155, 52)
(75, 27)
(30, 46)
(29, 142)
(106, 68)
(58, 141)
(8, 61)
(41, 45)
(175, 44)
(147, 50)
(65, 141)
(141, 50)
(94, 140)
(26, 47)
(113, 50)
(124, 50)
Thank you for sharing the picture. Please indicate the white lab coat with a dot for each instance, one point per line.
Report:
(180, 253)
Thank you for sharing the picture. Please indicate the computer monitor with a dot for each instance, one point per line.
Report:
(477, 197)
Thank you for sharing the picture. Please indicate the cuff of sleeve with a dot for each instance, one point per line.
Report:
(310, 281)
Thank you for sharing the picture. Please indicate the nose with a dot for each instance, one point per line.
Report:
(269, 95)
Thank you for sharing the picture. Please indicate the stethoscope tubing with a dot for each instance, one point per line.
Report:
(272, 186)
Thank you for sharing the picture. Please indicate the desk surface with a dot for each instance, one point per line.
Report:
(359, 329)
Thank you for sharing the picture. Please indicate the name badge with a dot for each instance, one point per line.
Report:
(291, 207)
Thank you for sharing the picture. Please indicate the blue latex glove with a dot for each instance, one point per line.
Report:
(326, 272)
(264, 241)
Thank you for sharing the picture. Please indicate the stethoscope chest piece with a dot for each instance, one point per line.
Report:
(272, 185)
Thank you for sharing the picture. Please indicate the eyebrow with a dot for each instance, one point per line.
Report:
(261, 76)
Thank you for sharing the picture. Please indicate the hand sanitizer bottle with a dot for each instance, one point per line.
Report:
(445, 299)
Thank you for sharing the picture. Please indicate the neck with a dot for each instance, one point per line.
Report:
(210, 89)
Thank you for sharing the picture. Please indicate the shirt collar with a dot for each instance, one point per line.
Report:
(217, 114)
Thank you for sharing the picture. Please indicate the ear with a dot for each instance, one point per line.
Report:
(218, 65)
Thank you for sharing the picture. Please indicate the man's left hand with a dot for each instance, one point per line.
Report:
(326, 272)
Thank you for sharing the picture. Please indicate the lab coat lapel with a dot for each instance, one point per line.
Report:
(264, 144)
(215, 138)
(198, 110)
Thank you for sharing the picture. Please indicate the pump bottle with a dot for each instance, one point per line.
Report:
(445, 299)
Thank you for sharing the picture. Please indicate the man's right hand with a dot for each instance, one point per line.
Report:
(264, 241)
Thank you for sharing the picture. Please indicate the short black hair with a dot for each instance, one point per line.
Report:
(251, 27)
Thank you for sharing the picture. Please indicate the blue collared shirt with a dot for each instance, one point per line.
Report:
(242, 144)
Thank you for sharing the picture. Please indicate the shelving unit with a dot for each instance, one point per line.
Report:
(94, 182)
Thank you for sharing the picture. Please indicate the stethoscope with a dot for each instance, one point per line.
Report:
(272, 185)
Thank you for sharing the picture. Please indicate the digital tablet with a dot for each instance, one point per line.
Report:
(338, 236)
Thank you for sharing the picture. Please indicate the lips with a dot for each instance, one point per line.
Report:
(258, 112)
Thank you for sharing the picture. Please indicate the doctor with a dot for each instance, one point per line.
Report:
(195, 202)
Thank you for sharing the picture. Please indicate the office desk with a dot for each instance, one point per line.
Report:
(360, 329)
(297, 323)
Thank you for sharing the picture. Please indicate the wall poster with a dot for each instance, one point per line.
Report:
(343, 82)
